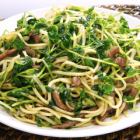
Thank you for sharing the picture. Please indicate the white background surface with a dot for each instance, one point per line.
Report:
(11, 7)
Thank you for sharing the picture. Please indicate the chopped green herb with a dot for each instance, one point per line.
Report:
(124, 28)
(106, 86)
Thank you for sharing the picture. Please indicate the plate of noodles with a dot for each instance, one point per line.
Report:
(70, 71)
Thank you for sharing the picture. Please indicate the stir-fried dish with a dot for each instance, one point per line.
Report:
(71, 68)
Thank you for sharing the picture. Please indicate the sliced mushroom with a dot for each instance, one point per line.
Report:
(30, 51)
(121, 61)
(108, 113)
(111, 53)
(76, 81)
(59, 102)
(35, 37)
(131, 79)
(7, 53)
(65, 125)
(133, 91)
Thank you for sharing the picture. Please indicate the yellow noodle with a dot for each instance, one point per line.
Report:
(106, 122)
(63, 111)
(71, 73)
(40, 97)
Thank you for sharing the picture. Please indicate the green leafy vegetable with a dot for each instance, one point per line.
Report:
(73, 57)
(124, 28)
(31, 24)
(15, 43)
(106, 86)
(18, 44)
(84, 101)
(19, 92)
(102, 47)
(89, 62)
(130, 72)
(49, 89)
(21, 66)
(41, 123)
(65, 93)
(128, 100)
(53, 34)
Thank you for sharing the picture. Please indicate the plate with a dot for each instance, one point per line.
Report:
(124, 122)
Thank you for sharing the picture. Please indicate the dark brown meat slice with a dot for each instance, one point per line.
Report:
(7, 53)
(108, 113)
(30, 51)
(59, 102)
(35, 37)
(111, 53)
(121, 61)
(65, 125)
(76, 81)
(133, 91)
(131, 79)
